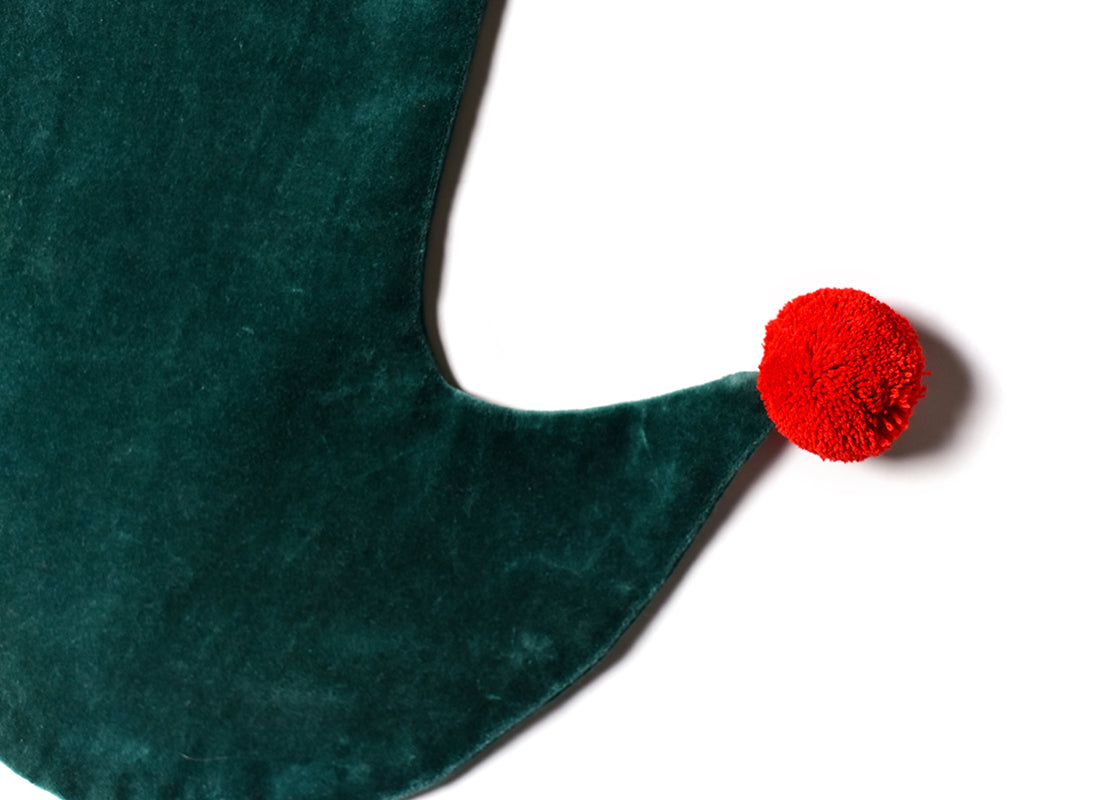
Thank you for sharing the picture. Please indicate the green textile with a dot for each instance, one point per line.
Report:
(252, 543)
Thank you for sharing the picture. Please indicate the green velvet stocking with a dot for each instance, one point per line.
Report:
(252, 543)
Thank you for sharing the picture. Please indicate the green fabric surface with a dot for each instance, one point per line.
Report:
(252, 542)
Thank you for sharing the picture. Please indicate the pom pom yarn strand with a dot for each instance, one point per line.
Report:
(841, 373)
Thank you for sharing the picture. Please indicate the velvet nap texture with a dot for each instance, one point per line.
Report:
(252, 543)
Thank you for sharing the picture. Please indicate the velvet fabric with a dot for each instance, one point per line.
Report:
(252, 543)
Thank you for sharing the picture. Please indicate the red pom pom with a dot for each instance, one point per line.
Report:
(840, 373)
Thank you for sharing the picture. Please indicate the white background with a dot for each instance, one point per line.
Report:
(645, 185)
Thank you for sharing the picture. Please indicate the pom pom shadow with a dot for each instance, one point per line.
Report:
(950, 392)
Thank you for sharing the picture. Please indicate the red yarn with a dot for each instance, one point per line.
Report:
(840, 373)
